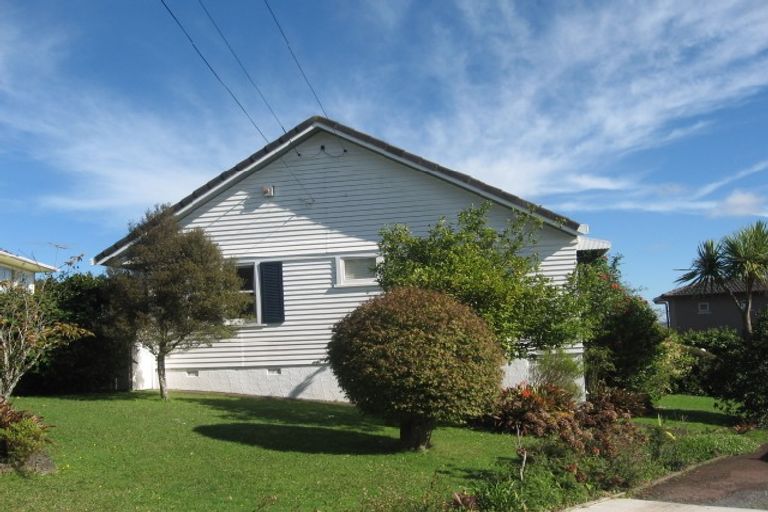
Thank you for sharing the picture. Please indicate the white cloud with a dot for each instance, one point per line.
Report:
(120, 156)
(742, 203)
(572, 91)
(538, 105)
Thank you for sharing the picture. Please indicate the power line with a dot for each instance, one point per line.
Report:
(234, 98)
(295, 59)
(303, 74)
(240, 63)
(213, 71)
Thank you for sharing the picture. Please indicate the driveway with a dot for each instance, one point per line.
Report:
(740, 482)
(727, 485)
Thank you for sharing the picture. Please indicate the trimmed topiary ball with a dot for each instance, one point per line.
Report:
(416, 356)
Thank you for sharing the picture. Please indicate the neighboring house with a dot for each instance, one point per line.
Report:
(20, 270)
(302, 218)
(702, 306)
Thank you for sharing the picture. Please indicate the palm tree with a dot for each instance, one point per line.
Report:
(741, 258)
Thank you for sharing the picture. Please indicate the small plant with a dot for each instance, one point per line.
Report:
(555, 368)
(533, 411)
(623, 401)
(21, 435)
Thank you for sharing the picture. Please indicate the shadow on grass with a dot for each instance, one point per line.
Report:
(243, 408)
(95, 397)
(293, 438)
(718, 419)
(502, 466)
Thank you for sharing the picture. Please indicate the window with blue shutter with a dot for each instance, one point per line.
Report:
(271, 288)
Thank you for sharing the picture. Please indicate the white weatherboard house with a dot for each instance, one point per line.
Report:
(302, 218)
(20, 270)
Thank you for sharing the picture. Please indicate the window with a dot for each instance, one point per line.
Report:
(247, 278)
(356, 270)
(263, 282)
(704, 308)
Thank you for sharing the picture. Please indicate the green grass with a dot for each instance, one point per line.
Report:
(209, 452)
(696, 414)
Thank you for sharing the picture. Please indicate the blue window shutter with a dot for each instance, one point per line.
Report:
(271, 287)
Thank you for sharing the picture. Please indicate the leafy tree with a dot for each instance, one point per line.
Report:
(416, 357)
(492, 271)
(31, 326)
(628, 347)
(743, 374)
(740, 258)
(100, 362)
(174, 289)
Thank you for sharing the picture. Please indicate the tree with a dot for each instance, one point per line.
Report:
(174, 289)
(627, 347)
(30, 327)
(416, 357)
(740, 259)
(489, 271)
(100, 362)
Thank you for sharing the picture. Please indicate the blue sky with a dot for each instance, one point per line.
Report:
(646, 120)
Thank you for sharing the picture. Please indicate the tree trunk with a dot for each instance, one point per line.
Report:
(416, 433)
(161, 376)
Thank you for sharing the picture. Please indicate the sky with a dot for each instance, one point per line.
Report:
(646, 120)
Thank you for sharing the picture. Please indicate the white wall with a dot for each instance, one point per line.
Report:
(327, 203)
(17, 276)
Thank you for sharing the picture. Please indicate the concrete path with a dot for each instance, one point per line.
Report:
(627, 505)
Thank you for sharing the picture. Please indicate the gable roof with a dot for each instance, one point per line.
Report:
(700, 289)
(14, 260)
(278, 147)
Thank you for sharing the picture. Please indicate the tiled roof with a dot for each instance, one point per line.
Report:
(710, 289)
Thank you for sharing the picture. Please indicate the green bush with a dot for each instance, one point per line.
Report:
(21, 434)
(490, 270)
(544, 486)
(711, 353)
(742, 374)
(23, 439)
(89, 364)
(416, 357)
(556, 368)
(628, 347)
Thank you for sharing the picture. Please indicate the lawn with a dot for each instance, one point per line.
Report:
(695, 414)
(208, 451)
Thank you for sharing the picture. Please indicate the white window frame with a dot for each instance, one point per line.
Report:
(256, 295)
(342, 282)
(257, 320)
(703, 308)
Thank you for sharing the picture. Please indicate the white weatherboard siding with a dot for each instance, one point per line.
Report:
(326, 203)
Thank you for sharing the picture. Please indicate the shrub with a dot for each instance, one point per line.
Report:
(90, 364)
(628, 348)
(544, 486)
(416, 357)
(533, 411)
(741, 375)
(556, 368)
(490, 270)
(622, 401)
(21, 434)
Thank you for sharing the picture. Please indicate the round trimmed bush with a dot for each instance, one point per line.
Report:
(416, 357)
